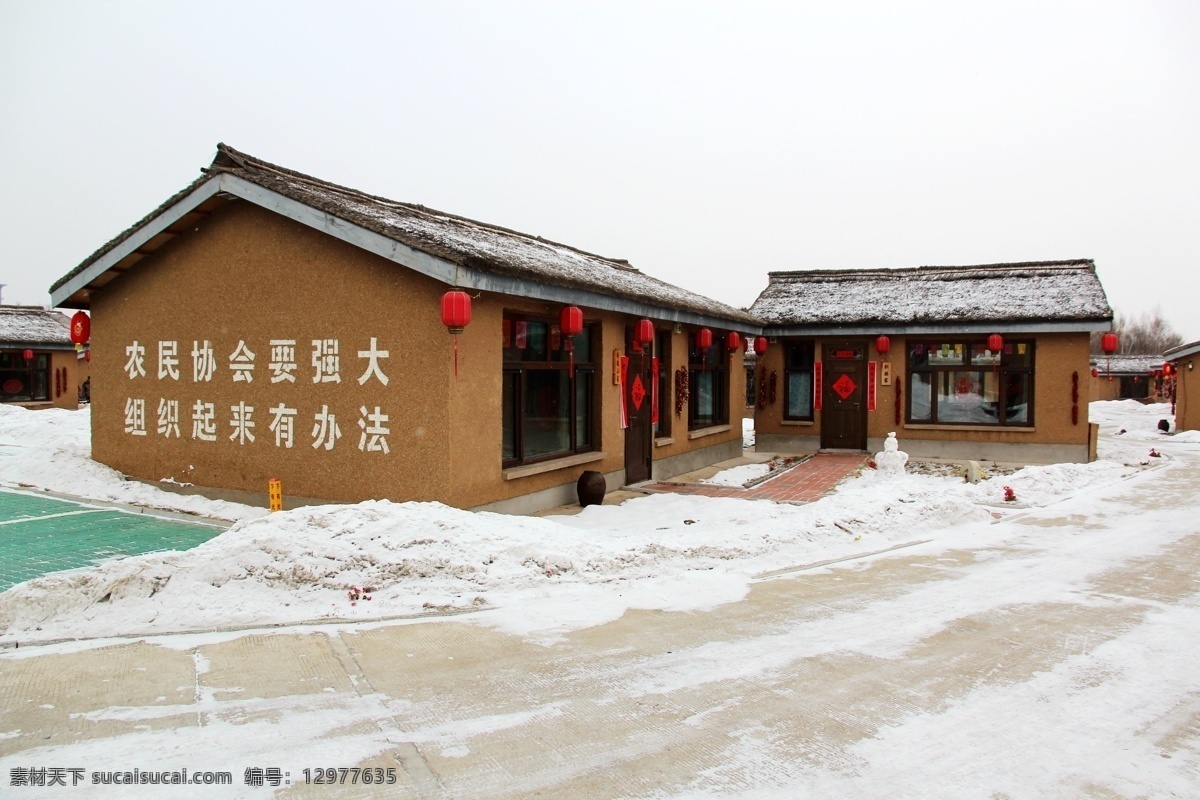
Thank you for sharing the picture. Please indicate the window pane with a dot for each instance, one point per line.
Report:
(1018, 354)
(982, 357)
(15, 385)
(919, 393)
(509, 409)
(524, 340)
(799, 394)
(583, 408)
(946, 354)
(799, 355)
(41, 385)
(963, 397)
(918, 355)
(546, 422)
(583, 346)
(1016, 398)
(705, 399)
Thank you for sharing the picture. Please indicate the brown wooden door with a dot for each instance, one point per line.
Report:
(844, 396)
(639, 436)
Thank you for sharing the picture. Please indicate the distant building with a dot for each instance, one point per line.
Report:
(1127, 377)
(39, 366)
(861, 353)
(1186, 378)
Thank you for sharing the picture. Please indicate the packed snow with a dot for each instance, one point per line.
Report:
(660, 551)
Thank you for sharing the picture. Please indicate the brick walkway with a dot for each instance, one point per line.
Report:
(800, 484)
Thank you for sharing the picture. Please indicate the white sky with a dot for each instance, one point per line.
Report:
(706, 143)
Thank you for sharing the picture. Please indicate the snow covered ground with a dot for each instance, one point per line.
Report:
(548, 575)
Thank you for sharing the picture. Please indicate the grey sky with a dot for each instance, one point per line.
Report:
(706, 143)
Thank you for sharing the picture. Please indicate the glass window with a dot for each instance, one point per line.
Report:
(23, 381)
(546, 411)
(798, 380)
(709, 384)
(965, 383)
(662, 349)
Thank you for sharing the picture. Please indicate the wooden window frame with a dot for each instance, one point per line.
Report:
(1003, 371)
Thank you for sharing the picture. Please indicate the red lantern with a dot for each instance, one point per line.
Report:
(995, 343)
(883, 344)
(1108, 343)
(456, 315)
(1095, 372)
(570, 320)
(703, 339)
(456, 311)
(643, 332)
(760, 346)
(28, 354)
(745, 344)
(81, 328)
(732, 341)
(1168, 370)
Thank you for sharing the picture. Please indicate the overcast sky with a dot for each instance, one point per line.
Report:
(706, 143)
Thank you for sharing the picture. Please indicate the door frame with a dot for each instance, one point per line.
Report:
(639, 436)
(829, 397)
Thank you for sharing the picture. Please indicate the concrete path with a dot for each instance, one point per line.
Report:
(781, 695)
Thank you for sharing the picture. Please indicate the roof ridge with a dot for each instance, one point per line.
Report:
(246, 161)
(1066, 264)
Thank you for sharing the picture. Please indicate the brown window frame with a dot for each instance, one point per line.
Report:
(13, 364)
(1004, 370)
(790, 367)
(519, 370)
(716, 363)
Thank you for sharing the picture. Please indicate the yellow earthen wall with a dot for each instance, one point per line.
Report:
(1057, 356)
(249, 275)
(1187, 394)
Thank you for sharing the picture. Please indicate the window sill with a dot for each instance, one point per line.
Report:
(797, 422)
(664, 441)
(976, 428)
(700, 433)
(512, 473)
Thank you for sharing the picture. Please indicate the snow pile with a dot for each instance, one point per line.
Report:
(738, 476)
(551, 573)
(748, 433)
(51, 449)
(1131, 421)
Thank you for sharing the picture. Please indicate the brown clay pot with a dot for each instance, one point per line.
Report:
(591, 488)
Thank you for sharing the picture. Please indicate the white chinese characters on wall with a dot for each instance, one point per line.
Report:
(241, 423)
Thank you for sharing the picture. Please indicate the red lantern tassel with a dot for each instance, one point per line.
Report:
(456, 358)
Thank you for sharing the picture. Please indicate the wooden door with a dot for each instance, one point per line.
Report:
(639, 436)
(844, 396)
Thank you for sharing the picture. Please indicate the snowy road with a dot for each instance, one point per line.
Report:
(1051, 655)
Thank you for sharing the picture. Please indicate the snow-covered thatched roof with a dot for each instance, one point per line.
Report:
(34, 326)
(1127, 365)
(1032, 292)
(454, 241)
